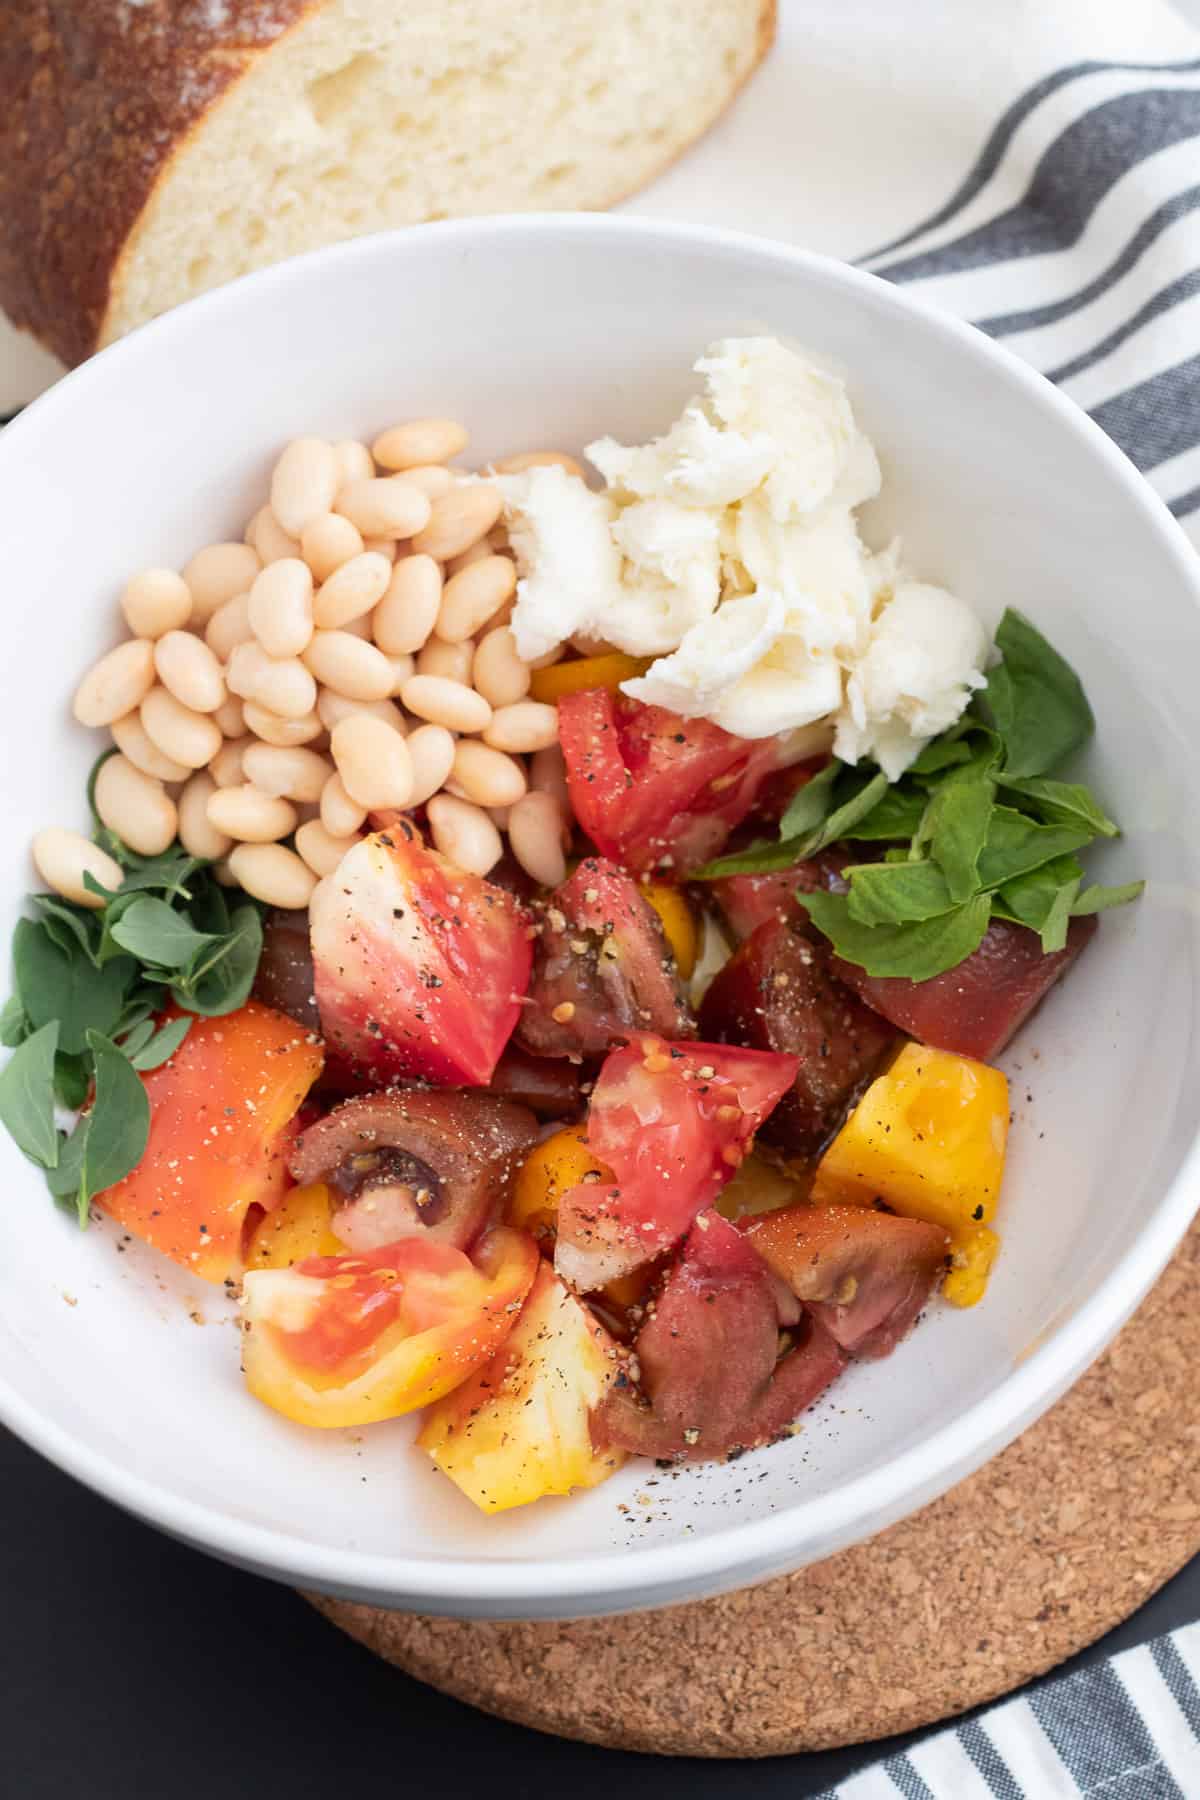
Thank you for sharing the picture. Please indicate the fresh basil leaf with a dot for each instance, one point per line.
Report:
(1036, 700)
(119, 1121)
(842, 821)
(155, 933)
(171, 873)
(896, 893)
(53, 985)
(27, 1096)
(1057, 921)
(1099, 899)
(72, 1080)
(69, 926)
(942, 753)
(761, 858)
(1062, 803)
(811, 804)
(1016, 844)
(956, 828)
(221, 981)
(916, 951)
(14, 1026)
(897, 815)
(161, 1047)
(1028, 899)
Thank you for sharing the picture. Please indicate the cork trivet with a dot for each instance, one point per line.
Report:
(1050, 1545)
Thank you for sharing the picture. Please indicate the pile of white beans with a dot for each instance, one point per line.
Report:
(352, 655)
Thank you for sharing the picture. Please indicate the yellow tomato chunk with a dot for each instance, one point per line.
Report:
(928, 1138)
(757, 1187)
(520, 1428)
(678, 922)
(299, 1227)
(559, 1162)
(582, 673)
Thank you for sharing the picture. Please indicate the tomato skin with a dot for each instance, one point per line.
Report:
(673, 1121)
(652, 789)
(351, 1340)
(865, 1274)
(419, 967)
(221, 1130)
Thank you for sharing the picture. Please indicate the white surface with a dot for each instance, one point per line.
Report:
(1004, 491)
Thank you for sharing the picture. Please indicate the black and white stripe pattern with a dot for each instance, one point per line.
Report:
(1128, 1729)
(1075, 239)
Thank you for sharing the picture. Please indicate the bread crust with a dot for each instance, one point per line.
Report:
(96, 99)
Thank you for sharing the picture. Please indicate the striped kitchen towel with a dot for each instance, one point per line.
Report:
(1127, 1729)
(1031, 165)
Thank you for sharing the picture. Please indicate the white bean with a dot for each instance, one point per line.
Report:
(229, 627)
(249, 815)
(188, 669)
(359, 628)
(402, 667)
(117, 684)
(473, 596)
(452, 662)
(354, 460)
(537, 836)
(320, 849)
(431, 751)
(464, 834)
(269, 538)
(226, 766)
(408, 611)
(283, 685)
(273, 729)
(381, 546)
(497, 671)
(231, 718)
(373, 761)
(537, 459)
(332, 708)
(273, 874)
(304, 482)
(63, 858)
(352, 590)
(329, 542)
(198, 835)
(216, 573)
(280, 607)
(457, 520)
(419, 441)
(340, 815)
(385, 506)
(343, 662)
(487, 776)
(447, 703)
(478, 552)
(154, 601)
(431, 478)
(295, 774)
(526, 725)
(187, 737)
(131, 739)
(548, 775)
(135, 806)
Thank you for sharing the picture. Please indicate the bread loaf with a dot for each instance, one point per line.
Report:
(150, 149)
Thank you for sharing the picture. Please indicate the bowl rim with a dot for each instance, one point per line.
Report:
(738, 1552)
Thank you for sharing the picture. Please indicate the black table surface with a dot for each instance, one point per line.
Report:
(133, 1666)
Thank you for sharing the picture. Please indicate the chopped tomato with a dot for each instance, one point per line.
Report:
(776, 992)
(866, 1275)
(711, 1377)
(221, 1112)
(977, 1007)
(673, 1122)
(520, 1427)
(547, 1085)
(652, 789)
(349, 1340)
(601, 969)
(300, 1226)
(748, 901)
(419, 967)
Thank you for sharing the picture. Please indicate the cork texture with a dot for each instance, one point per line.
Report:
(1050, 1545)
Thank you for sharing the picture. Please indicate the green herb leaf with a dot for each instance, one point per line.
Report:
(221, 979)
(1016, 844)
(1099, 899)
(956, 827)
(917, 951)
(14, 1026)
(66, 1181)
(72, 1080)
(71, 927)
(810, 805)
(1035, 699)
(27, 1096)
(897, 893)
(1062, 803)
(1029, 899)
(155, 933)
(54, 985)
(897, 815)
(119, 1122)
(161, 1047)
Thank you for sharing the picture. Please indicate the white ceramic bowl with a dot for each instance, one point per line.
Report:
(548, 331)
